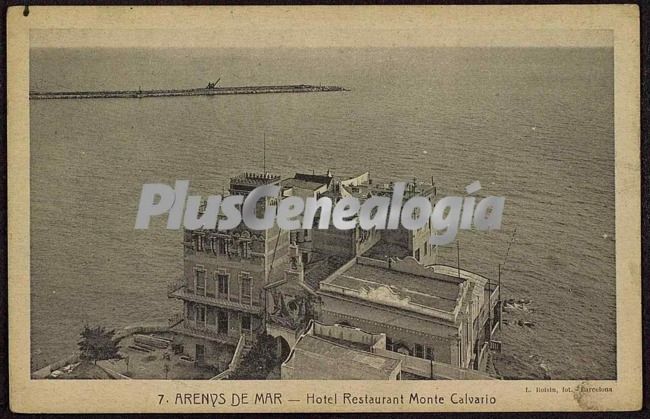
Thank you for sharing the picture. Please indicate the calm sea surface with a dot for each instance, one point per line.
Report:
(533, 125)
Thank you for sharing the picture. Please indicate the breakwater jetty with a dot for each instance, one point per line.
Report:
(206, 91)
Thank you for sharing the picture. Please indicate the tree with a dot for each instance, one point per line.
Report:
(98, 343)
(257, 364)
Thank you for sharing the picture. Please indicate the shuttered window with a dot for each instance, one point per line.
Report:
(246, 290)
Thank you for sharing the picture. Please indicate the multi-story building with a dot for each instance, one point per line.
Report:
(340, 352)
(241, 282)
(425, 312)
(348, 243)
(224, 274)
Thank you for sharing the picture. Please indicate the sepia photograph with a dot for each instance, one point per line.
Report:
(395, 202)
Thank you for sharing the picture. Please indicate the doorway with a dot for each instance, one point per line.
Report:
(200, 354)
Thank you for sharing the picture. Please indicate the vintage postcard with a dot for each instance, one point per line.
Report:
(324, 209)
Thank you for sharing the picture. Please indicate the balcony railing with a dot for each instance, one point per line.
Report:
(495, 345)
(175, 286)
(190, 328)
(217, 301)
(175, 319)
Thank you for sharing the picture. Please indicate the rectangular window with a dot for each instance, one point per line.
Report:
(212, 318)
(417, 255)
(246, 323)
(191, 312)
(418, 351)
(389, 344)
(223, 245)
(199, 284)
(198, 242)
(188, 238)
(222, 285)
(210, 287)
(428, 353)
(222, 322)
(200, 313)
(245, 248)
(246, 290)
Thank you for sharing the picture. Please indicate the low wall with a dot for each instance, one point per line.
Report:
(113, 374)
(350, 334)
(46, 371)
(432, 369)
(141, 328)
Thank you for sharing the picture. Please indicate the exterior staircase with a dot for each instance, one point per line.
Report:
(243, 347)
(489, 368)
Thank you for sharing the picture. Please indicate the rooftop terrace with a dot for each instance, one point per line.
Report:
(380, 284)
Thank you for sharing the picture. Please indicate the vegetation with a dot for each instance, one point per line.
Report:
(259, 362)
(97, 344)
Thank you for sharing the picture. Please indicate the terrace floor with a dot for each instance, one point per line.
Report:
(151, 365)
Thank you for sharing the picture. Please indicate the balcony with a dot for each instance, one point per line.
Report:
(175, 319)
(254, 262)
(174, 286)
(189, 328)
(187, 295)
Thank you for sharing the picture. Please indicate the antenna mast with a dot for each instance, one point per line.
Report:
(512, 239)
(489, 310)
(458, 256)
(500, 303)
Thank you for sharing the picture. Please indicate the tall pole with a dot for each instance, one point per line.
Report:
(500, 302)
(264, 155)
(489, 310)
(458, 256)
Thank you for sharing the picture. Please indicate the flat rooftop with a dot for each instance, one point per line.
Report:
(440, 292)
(318, 270)
(310, 182)
(315, 358)
(384, 250)
(303, 184)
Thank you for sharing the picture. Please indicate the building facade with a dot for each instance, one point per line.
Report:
(424, 313)
(240, 283)
(224, 274)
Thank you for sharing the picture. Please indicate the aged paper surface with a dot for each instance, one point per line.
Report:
(545, 97)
